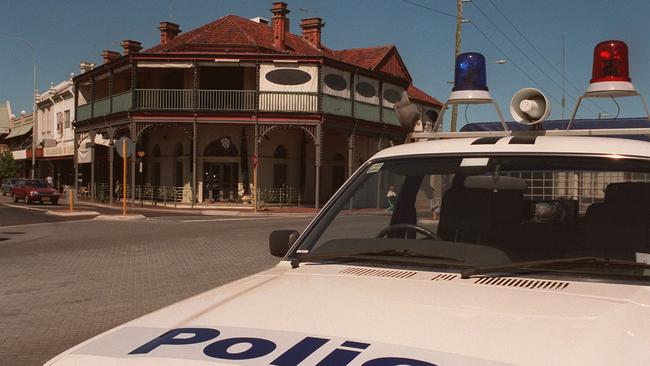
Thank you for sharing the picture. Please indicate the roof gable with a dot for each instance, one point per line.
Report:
(383, 59)
(392, 64)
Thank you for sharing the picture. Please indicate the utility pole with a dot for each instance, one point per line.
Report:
(459, 26)
(563, 75)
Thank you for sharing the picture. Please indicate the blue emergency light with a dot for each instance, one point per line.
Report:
(470, 81)
(470, 72)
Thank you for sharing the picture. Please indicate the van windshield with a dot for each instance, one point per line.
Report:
(491, 211)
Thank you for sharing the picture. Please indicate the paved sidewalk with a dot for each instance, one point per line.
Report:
(226, 209)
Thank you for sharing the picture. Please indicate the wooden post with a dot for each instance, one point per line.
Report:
(459, 27)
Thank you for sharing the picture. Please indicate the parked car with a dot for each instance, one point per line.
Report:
(7, 185)
(34, 190)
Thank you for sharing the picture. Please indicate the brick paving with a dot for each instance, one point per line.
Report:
(62, 283)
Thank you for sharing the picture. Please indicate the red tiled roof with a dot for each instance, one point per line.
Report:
(421, 96)
(367, 58)
(235, 32)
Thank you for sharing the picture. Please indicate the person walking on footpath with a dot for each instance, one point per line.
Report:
(117, 189)
(392, 198)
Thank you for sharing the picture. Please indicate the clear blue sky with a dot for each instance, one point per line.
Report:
(66, 32)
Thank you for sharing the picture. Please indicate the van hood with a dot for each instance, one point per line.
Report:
(330, 314)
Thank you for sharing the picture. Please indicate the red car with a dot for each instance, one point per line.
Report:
(32, 190)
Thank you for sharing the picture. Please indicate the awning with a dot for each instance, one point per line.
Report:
(19, 131)
(61, 149)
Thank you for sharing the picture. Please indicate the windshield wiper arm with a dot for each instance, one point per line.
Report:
(388, 253)
(534, 265)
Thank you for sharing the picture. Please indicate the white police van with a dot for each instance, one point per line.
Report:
(501, 248)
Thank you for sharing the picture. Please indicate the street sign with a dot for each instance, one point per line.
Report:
(130, 146)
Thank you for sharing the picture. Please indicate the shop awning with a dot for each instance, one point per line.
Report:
(19, 131)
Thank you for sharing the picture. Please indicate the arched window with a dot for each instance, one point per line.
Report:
(178, 151)
(280, 152)
(155, 152)
(221, 147)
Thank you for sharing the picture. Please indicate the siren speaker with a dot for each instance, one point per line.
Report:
(407, 112)
(529, 106)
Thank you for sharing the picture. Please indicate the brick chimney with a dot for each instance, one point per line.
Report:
(109, 56)
(280, 24)
(130, 46)
(168, 31)
(311, 30)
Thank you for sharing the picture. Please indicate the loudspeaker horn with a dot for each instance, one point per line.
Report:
(529, 106)
(407, 112)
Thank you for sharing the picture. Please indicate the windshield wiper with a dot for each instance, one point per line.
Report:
(525, 266)
(372, 255)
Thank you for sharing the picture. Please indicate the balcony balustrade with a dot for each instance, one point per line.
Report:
(233, 100)
(288, 102)
(227, 100)
(164, 99)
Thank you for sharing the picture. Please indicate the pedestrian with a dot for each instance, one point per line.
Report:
(392, 198)
(117, 189)
(50, 180)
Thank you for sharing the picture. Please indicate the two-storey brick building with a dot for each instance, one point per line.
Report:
(237, 98)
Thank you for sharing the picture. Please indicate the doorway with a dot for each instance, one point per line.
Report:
(220, 181)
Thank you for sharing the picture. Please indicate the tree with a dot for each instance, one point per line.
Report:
(7, 165)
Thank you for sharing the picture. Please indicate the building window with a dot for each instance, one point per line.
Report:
(280, 152)
(59, 123)
(66, 118)
(178, 151)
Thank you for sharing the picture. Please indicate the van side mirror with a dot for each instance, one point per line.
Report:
(280, 241)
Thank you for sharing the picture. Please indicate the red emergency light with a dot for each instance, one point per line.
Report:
(610, 75)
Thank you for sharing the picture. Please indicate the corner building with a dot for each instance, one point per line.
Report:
(235, 100)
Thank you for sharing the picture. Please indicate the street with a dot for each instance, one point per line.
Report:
(64, 280)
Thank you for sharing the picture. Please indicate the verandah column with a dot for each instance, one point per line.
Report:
(134, 137)
(111, 158)
(91, 137)
(76, 161)
(317, 165)
(194, 161)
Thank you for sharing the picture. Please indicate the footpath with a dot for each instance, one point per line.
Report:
(203, 209)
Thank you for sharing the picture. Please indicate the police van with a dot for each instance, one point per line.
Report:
(500, 246)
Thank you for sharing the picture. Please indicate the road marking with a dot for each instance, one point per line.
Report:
(51, 207)
(241, 219)
(25, 207)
